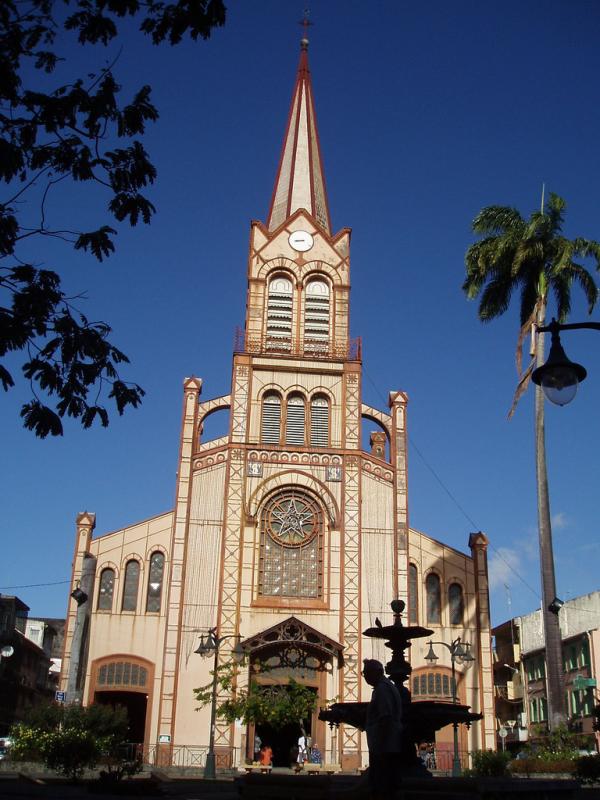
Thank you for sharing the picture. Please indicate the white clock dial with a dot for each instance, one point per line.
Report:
(301, 241)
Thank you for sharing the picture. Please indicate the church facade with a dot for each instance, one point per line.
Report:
(287, 535)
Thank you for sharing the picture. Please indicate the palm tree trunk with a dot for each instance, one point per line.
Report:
(554, 667)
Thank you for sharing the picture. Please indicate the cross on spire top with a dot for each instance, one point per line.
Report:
(305, 22)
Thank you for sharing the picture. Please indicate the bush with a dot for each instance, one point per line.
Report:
(71, 739)
(527, 766)
(588, 769)
(490, 763)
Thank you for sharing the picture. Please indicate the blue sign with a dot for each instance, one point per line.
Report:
(59, 697)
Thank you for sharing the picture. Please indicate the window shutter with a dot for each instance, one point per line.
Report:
(319, 422)
(279, 314)
(294, 428)
(316, 316)
(271, 419)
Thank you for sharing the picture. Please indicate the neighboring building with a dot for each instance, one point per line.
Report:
(48, 633)
(508, 686)
(285, 531)
(522, 694)
(24, 670)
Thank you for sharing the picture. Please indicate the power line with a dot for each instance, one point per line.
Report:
(467, 516)
(34, 585)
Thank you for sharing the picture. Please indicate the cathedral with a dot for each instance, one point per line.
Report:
(287, 536)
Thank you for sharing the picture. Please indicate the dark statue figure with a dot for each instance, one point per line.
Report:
(421, 720)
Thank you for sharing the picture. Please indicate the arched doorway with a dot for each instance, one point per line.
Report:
(291, 650)
(125, 681)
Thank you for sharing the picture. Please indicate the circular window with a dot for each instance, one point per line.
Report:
(292, 519)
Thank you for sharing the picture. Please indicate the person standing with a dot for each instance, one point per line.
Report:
(384, 731)
(302, 749)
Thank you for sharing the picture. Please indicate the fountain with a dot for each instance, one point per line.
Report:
(422, 719)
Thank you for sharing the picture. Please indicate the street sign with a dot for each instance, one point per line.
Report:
(503, 733)
(59, 697)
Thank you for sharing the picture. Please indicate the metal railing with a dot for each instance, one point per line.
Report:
(318, 349)
(181, 755)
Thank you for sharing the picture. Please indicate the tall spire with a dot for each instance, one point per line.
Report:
(300, 181)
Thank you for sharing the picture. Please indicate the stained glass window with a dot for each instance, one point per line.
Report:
(434, 599)
(107, 587)
(130, 588)
(291, 551)
(456, 604)
(122, 673)
(413, 594)
(155, 581)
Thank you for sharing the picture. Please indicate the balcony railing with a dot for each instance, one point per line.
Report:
(281, 346)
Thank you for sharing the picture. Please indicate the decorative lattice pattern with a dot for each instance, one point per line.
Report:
(291, 546)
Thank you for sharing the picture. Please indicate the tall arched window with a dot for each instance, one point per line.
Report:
(291, 546)
(294, 422)
(279, 314)
(155, 581)
(316, 316)
(456, 604)
(413, 595)
(130, 585)
(107, 587)
(270, 421)
(434, 599)
(319, 421)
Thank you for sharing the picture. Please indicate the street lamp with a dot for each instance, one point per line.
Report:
(559, 377)
(209, 645)
(460, 653)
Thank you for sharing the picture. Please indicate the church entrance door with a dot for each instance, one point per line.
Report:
(283, 741)
(134, 703)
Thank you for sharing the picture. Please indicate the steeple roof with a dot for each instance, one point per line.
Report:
(300, 181)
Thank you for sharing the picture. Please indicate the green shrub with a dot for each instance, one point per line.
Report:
(588, 769)
(527, 766)
(490, 763)
(71, 739)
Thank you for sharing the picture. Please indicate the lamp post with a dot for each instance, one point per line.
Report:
(460, 653)
(210, 646)
(558, 378)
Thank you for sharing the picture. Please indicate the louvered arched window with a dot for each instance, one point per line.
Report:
(279, 314)
(130, 585)
(155, 581)
(295, 420)
(270, 421)
(413, 594)
(319, 421)
(316, 316)
(456, 604)
(434, 599)
(107, 587)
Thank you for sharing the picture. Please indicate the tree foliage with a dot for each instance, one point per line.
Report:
(275, 704)
(81, 131)
(531, 257)
(71, 739)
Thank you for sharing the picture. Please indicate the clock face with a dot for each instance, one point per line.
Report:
(301, 241)
(292, 520)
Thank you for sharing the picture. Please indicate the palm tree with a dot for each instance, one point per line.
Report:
(533, 257)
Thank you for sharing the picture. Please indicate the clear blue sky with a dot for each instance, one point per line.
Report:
(427, 112)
